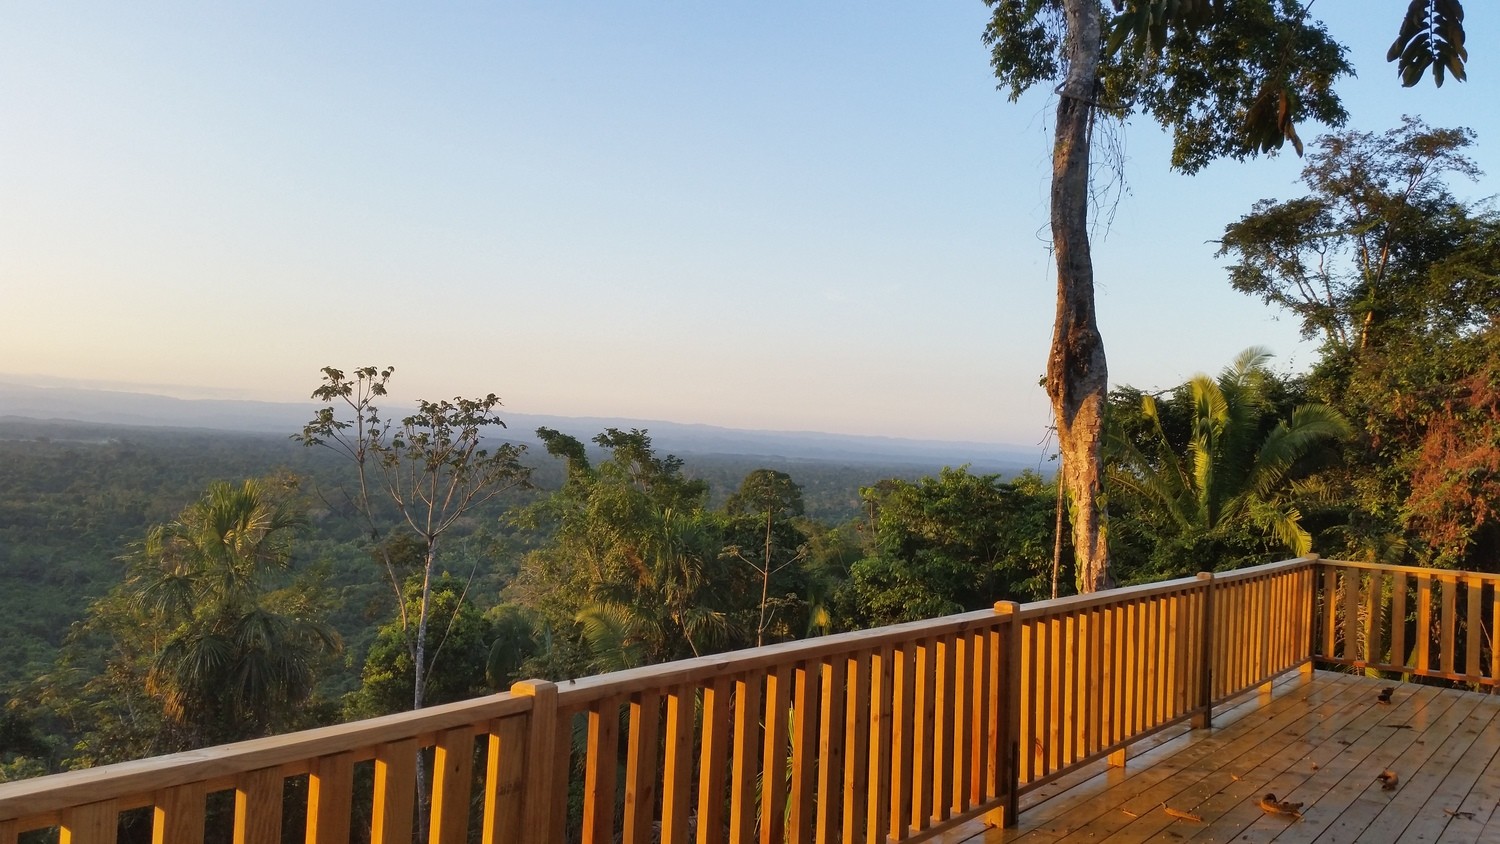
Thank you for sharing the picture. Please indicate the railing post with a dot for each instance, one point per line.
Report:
(541, 755)
(1008, 726)
(1204, 717)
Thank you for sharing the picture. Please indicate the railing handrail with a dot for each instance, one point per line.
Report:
(40, 795)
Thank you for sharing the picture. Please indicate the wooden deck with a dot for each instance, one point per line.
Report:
(1321, 742)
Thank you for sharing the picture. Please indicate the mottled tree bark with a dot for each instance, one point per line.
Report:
(1077, 378)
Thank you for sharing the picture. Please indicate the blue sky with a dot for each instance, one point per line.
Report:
(785, 215)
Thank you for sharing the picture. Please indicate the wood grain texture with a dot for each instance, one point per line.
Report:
(178, 815)
(257, 807)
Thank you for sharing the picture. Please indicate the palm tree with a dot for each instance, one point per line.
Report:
(231, 656)
(1235, 469)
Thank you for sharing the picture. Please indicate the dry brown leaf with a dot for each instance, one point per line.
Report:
(1468, 816)
(1181, 815)
(1388, 780)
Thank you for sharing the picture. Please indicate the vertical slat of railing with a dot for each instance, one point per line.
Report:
(9, 832)
(504, 784)
(1056, 648)
(641, 767)
(961, 704)
(942, 727)
(1422, 635)
(1374, 591)
(773, 794)
(746, 757)
(1449, 585)
(1351, 614)
(329, 798)
(804, 752)
(831, 751)
(1026, 736)
(1473, 622)
(903, 697)
(602, 755)
(922, 734)
(452, 781)
(1328, 626)
(713, 759)
(882, 700)
(91, 823)
(257, 807)
(979, 707)
(677, 767)
(178, 815)
(1398, 618)
(395, 792)
(856, 746)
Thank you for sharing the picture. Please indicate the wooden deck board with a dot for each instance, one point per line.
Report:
(1321, 742)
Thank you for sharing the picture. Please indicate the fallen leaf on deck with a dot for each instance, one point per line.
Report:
(1468, 816)
(1130, 813)
(1271, 806)
(1388, 780)
(1181, 815)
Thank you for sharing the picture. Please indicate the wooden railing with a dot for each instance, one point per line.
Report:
(1419, 622)
(892, 734)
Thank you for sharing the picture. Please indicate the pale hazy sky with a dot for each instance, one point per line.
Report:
(788, 215)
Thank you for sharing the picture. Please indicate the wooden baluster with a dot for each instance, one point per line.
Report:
(452, 786)
(1330, 611)
(257, 807)
(504, 782)
(178, 815)
(1351, 615)
(1422, 636)
(1473, 622)
(641, 767)
(1114, 676)
(395, 792)
(330, 795)
(1449, 585)
(804, 753)
(9, 832)
(1174, 702)
(1053, 683)
(603, 756)
(747, 719)
(961, 703)
(1027, 733)
(922, 720)
(856, 747)
(1207, 597)
(712, 760)
(1098, 674)
(91, 823)
(1264, 592)
(903, 699)
(980, 703)
(1373, 595)
(942, 728)
(677, 775)
(1150, 665)
(1067, 686)
(831, 751)
(1398, 620)
(882, 674)
(773, 794)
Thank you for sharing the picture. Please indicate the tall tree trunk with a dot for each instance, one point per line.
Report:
(1077, 378)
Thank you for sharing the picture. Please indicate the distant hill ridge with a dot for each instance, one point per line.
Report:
(148, 410)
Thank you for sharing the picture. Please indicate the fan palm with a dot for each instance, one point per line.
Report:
(1232, 471)
(232, 657)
